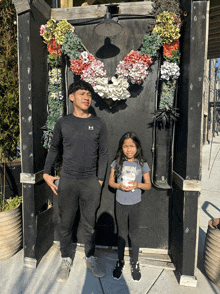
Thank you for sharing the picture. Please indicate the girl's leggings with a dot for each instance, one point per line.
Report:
(128, 223)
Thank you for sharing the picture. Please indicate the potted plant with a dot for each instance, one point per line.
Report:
(10, 226)
(212, 251)
(10, 209)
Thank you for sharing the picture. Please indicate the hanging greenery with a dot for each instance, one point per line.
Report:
(151, 45)
(9, 88)
(55, 103)
(72, 46)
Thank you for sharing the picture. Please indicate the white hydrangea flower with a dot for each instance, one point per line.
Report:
(101, 87)
(170, 70)
(116, 91)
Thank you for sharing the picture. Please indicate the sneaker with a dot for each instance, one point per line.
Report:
(64, 270)
(92, 264)
(118, 269)
(135, 271)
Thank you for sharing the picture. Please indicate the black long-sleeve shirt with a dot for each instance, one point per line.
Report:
(85, 147)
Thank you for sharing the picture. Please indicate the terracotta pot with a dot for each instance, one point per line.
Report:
(10, 232)
(212, 252)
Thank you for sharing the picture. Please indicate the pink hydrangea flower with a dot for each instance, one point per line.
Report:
(94, 71)
(42, 29)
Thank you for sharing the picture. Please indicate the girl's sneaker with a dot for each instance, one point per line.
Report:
(135, 271)
(118, 269)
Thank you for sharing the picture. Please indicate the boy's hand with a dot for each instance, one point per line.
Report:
(50, 182)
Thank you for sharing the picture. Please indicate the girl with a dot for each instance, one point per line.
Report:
(127, 171)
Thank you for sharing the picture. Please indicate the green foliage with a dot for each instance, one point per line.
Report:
(165, 116)
(55, 105)
(9, 89)
(54, 60)
(167, 94)
(151, 45)
(72, 46)
(8, 204)
(166, 112)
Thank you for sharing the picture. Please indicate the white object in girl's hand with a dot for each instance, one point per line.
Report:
(128, 177)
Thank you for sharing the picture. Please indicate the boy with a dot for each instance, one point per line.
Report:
(83, 139)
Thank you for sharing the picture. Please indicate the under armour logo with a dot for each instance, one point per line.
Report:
(90, 128)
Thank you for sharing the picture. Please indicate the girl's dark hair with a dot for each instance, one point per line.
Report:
(120, 157)
(80, 85)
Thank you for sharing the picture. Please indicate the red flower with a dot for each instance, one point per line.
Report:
(168, 49)
(135, 56)
(78, 65)
(53, 47)
(146, 60)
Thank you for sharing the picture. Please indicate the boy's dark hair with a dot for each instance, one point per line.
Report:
(80, 85)
(120, 157)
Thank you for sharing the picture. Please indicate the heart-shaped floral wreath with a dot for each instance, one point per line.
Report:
(60, 38)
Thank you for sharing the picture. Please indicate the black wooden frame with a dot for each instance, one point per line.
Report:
(183, 214)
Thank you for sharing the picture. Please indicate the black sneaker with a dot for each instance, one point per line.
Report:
(135, 271)
(118, 269)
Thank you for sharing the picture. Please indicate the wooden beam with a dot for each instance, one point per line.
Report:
(29, 178)
(21, 6)
(214, 12)
(213, 44)
(42, 7)
(213, 41)
(214, 36)
(214, 4)
(93, 11)
(186, 185)
(213, 56)
(213, 19)
(214, 27)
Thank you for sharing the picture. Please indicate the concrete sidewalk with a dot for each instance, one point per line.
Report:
(15, 279)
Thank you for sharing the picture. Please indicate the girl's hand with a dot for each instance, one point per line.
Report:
(134, 185)
(124, 188)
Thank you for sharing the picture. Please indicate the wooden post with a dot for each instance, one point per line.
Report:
(32, 61)
(187, 161)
